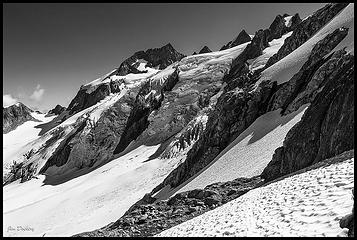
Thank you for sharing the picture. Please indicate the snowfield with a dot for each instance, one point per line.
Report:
(273, 48)
(15, 140)
(86, 202)
(307, 204)
(247, 155)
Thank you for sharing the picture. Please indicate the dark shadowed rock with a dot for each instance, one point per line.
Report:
(157, 57)
(138, 119)
(304, 85)
(85, 98)
(57, 110)
(326, 128)
(242, 37)
(205, 49)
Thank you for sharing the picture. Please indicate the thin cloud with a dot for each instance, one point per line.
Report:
(37, 94)
(8, 100)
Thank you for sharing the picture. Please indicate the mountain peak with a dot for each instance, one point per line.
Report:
(242, 37)
(15, 115)
(205, 49)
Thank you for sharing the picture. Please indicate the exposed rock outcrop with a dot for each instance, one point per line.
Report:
(242, 37)
(57, 110)
(205, 49)
(278, 28)
(326, 128)
(85, 99)
(15, 115)
(304, 85)
(149, 217)
(157, 57)
(154, 58)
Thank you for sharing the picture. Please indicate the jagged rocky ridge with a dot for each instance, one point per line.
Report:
(157, 57)
(15, 115)
(306, 29)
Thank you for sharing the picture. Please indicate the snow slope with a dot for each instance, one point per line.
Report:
(307, 204)
(273, 48)
(18, 138)
(86, 202)
(285, 69)
(247, 155)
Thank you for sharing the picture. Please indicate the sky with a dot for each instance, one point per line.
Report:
(51, 49)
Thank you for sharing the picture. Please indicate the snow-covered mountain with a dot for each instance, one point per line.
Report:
(163, 125)
(15, 115)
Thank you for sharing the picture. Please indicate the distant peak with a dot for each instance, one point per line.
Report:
(205, 49)
(20, 105)
(243, 32)
(168, 45)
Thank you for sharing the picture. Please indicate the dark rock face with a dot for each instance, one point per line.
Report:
(83, 99)
(306, 82)
(138, 119)
(157, 57)
(149, 217)
(61, 154)
(57, 110)
(15, 115)
(326, 128)
(242, 37)
(304, 30)
(205, 49)
(278, 28)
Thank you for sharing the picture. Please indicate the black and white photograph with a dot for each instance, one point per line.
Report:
(178, 119)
